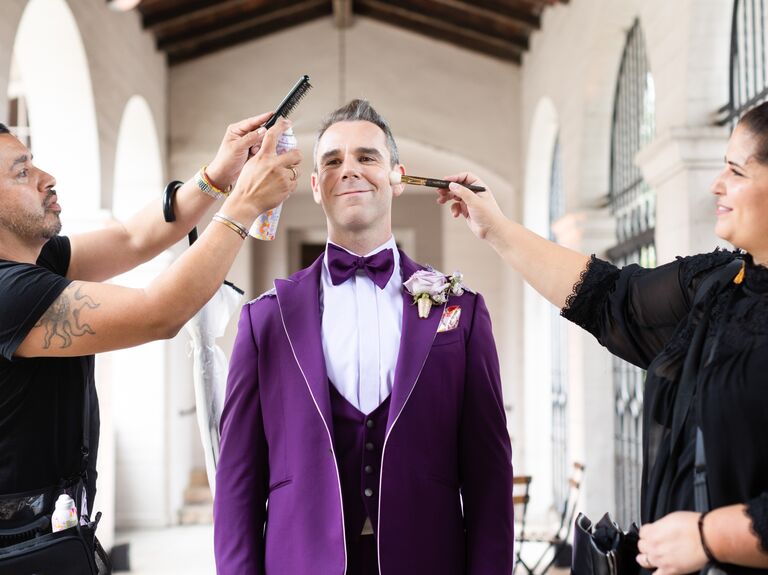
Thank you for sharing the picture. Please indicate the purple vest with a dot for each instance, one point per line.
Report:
(358, 440)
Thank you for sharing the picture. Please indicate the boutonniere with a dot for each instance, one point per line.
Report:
(430, 286)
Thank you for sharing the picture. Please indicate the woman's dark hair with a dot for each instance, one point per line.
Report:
(4, 129)
(756, 121)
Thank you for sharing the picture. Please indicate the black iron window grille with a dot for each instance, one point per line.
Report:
(559, 349)
(748, 76)
(633, 204)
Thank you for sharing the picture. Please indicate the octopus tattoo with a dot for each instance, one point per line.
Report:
(62, 319)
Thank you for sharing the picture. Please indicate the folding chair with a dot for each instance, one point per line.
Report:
(558, 542)
(520, 487)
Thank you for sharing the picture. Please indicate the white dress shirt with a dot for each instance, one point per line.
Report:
(361, 326)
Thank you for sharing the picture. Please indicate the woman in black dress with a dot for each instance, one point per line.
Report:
(649, 317)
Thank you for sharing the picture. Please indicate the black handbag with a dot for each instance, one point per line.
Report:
(68, 552)
(604, 549)
(27, 545)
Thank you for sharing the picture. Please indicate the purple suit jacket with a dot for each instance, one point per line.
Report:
(445, 496)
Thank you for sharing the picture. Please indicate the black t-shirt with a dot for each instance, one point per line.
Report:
(41, 399)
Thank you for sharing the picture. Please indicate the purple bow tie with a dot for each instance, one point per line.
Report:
(343, 265)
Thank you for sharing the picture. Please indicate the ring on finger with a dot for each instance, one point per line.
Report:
(294, 172)
(647, 561)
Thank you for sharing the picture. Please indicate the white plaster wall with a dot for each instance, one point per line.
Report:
(123, 62)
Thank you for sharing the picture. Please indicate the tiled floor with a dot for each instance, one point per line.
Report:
(188, 550)
(184, 550)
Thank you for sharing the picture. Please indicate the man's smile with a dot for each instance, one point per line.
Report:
(352, 192)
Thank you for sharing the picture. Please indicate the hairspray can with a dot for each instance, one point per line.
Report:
(265, 226)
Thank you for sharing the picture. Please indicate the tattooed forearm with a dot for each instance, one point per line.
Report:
(62, 320)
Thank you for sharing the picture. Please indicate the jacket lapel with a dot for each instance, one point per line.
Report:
(416, 340)
(299, 300)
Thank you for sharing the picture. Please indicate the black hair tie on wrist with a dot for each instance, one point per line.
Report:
(707, 551)
(169, 193)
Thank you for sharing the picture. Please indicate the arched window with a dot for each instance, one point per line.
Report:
(559, 350)
(749, 77)
(633, 204)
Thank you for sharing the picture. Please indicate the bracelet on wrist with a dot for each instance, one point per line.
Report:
(233, 225)
(208, 187)
(707, 551)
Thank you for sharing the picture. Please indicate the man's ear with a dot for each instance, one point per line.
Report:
(398, 189)
(315, 188)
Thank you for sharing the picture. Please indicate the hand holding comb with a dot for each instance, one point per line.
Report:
(290, 102)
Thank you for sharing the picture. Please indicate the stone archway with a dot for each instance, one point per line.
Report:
(54, 69)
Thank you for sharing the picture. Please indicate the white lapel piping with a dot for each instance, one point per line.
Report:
(327, 430)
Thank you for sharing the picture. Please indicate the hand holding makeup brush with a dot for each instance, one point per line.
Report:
(549, 268)
(480, 209)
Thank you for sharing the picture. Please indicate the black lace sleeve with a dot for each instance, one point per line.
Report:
(589, 294)
(632, 311)
(693, 269)
(757, 511)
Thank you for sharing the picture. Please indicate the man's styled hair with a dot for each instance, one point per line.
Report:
(4, 129)
(355, 111)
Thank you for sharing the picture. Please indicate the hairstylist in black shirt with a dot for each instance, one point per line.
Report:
(648, 317)
(55, 313)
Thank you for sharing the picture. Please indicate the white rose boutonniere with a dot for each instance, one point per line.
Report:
(430, 286)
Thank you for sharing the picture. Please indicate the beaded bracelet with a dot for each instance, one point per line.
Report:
(207, 187)
(236, 227)
(707, 551)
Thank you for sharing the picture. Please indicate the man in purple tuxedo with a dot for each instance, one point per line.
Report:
(358, 437)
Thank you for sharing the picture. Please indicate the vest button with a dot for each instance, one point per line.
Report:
(369, 469)
(368, 492)
(370, 424)
(369, 446)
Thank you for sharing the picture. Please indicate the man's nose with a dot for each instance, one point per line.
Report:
(349, 169)
(47, 181)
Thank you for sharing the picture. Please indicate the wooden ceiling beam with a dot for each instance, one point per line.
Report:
(201, 17)
(188, 46)
(465, 38)
(503, 14)
(342, 13)
(471, 18)
(235, 23)
(155, 14)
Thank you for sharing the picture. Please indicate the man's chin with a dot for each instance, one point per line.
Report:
(354, 225)
(52, 231)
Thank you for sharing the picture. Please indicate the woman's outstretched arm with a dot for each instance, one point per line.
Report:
(549, 268)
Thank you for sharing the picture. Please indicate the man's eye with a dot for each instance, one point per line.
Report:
(735, 173)
(366, 159)
(23, 173)
(332, 163)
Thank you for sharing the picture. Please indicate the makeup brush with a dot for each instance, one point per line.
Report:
(396, 177)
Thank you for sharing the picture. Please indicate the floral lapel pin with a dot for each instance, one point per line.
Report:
(431, 287)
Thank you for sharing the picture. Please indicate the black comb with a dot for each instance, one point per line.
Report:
(290, 101)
